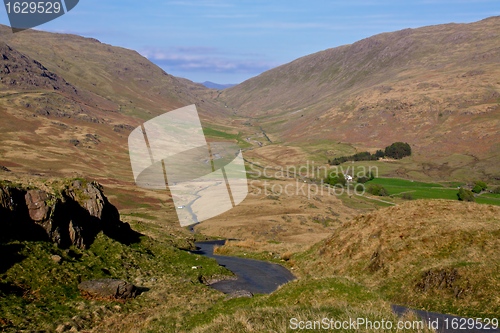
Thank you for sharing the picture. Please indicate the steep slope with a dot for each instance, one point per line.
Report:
(133, 84)
(436, 87)
(438, 255)
(21, 72)
(68, 103)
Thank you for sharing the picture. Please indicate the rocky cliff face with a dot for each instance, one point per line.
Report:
(20, 71)
(73, 215)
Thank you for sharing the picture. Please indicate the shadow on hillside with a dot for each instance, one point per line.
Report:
(118, 230)
(10, 255)
(123, 233)
(17, 225)
(11, 289)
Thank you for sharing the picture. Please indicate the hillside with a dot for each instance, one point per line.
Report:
(435, 87)
(68, 104)
(130, 83)
(438, 255)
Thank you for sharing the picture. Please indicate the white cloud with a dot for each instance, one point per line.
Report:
(206, 59)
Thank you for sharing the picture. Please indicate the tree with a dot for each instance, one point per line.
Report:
(407, 196)
(379, 154)
(362, 179)
(363, 156)
(479, 186)
(377, 189)
(465, 195)
(334, 179)
(365, 178)
(398, 150)
(477, 189)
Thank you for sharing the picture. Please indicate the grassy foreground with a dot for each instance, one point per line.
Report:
(439, 255)
(37, 293)
(434, 254)
(40, 294)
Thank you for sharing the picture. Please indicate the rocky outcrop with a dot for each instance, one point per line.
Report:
(38, 208)
(73, 215)
(108, 288)
(24, 72)
(444, 279)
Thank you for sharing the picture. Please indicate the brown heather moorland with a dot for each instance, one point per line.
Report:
(68, 104)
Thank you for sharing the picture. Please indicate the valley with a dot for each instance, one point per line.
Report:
(68, 105)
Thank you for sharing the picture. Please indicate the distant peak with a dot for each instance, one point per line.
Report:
(218, 86)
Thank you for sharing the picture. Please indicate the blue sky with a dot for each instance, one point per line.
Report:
(230, 41)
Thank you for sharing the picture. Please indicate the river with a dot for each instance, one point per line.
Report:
(255, 276)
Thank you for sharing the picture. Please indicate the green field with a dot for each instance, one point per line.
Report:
(218, 134)
(420, 190)
(208, 131)
(489, 198)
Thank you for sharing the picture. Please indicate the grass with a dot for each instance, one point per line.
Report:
(489, 200)
(407, 251)
(39, 294)
(363, 203)
(321, 150)
(403, 183)
(339, 279)
(421, 190)
(142, 215)
(252, 250)
(222, 134)
(305, 300)
(211, 132)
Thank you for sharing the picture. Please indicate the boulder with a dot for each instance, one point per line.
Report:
(56, 258)
(108, 288)
(38, 209)
(239, 294)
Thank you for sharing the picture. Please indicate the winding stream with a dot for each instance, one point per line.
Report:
(255, 276)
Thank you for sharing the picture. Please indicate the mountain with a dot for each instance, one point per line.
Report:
(127, 81)
(68, 104)
(434, 87)
(217, 86)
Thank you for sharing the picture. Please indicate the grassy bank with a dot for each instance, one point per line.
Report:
(439, 255)
(38, 293)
